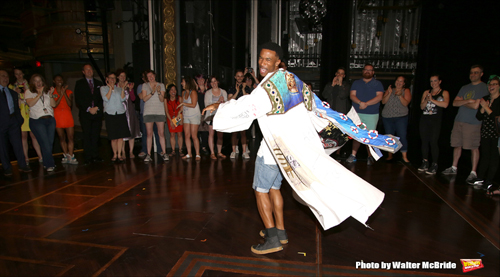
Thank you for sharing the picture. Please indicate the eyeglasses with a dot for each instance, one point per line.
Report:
(368, 70)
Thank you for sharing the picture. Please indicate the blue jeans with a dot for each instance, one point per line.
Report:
(397, 126)
(44, 130)
(266, 176)
(144, 138)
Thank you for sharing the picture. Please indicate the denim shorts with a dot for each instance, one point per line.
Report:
(266, 176)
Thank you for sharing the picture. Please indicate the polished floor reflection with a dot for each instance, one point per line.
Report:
(181, 218)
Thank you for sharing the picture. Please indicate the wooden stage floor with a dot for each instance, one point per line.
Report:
(181, 218)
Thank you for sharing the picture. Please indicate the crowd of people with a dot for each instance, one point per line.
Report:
(476, 126)
(46, 110)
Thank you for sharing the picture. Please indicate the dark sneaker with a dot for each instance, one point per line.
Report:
(26, 169)
(370, 160)
(271, 245)
(7, 172)
(282, 236)
(450, 171)
(432, 170)
(424, 166)
(351, 159)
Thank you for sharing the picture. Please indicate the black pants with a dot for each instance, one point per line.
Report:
(489, 159)
(91, 128)
(12, 134)
(430, 128)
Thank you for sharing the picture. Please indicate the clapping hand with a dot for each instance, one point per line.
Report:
(390, 89)
(221, 99)
(51, 91)
(484, 103)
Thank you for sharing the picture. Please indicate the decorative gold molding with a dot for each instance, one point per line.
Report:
(169, 42)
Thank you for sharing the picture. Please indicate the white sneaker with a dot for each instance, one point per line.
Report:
(72, 159)
(64, 160)
(148, 159)
(50, 169)
(237, 150)
(165, 156)
(233, 155)
(246, 156)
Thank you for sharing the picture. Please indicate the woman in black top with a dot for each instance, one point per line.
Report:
(489, 108)
(433, 102)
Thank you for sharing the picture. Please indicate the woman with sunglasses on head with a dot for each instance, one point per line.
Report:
(42, 123)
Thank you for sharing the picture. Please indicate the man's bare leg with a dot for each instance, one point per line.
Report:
(265, 208)
(277, 205)
(474, 158)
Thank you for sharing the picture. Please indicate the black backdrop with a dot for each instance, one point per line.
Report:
(454, 35)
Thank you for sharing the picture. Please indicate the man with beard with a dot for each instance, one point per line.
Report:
(366, 95)
(466, 131)
(290, 117)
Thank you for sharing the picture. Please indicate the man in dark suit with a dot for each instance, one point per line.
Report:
(10, 126)
(89, 102)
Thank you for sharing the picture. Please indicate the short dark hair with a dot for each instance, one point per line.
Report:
(436, 75)
(54, 78)
(273, 47)
(239, 70)
(83, 66)
(201, 75)
(120, 71)
(478, 66)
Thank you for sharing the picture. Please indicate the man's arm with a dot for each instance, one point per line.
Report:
(470, 103)
(354, 98)
(375, 99)
(238, 115)
(79, 97)
(344, 90)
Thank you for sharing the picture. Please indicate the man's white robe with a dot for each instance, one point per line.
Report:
(291, 140)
